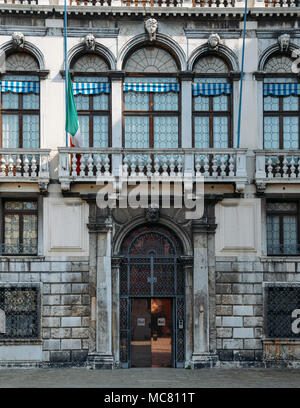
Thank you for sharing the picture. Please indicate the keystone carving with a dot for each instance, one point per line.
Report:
(151, 26)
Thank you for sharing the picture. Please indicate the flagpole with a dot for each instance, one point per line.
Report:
(242, 77)
(66, 64)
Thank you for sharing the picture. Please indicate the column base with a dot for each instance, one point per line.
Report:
(98, 361)
(204, 360)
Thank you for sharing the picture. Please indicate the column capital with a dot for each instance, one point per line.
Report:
(186, 75)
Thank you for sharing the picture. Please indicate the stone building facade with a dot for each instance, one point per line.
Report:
(122, 287)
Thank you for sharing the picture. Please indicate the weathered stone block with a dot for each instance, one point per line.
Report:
(253, 321)
(40, 266)
(232, 344)
(223, 288)
(60, 356)
(257, 310)
(243, 355)
(46, 288)
(71, 277)
(61, 288)
(71, 299)
(60, 333)
(252, 277)
(224, 333)
(232, 299)
(80, 333)
(242, 288)
(257, 288)
(9, 277)
(71, 344)
(85, 299)
(85, 321)
(253, 344)
(224, 310)
(51, 300)
(51, 277)
(243, 333)
(71, 321)
(50, 322)
(218, 321)
(79, 356)
(51, 344)
(232, 321)
(80, 310)
(225, 355)
(61, 310)
(227, 277)
(61, 266)
(46, 333)
(243, 310)
(224, 266)
(80, 288)
(252, 299)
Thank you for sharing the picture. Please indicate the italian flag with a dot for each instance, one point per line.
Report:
(72, 125)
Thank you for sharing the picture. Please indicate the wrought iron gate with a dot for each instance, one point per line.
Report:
(152, 267)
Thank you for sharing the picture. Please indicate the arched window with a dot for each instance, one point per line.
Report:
(281, 104)
(151, 100)
(20, 102)
(211, 103)
(91, 88)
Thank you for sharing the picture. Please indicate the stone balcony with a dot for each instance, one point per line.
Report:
(89, 165)
(25, 166)
(277, 167)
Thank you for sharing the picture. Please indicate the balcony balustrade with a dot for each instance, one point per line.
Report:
(25, 166)
(92, 165)
(277, 166)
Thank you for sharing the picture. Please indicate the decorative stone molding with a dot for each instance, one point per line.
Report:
(284, 42)
(151, 26)
(18, 40)
(152, 214)
(89, 42)
(214, 41)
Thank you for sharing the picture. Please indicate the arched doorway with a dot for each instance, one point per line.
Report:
(152, 299)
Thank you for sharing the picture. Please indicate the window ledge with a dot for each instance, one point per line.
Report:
(22, 257)
(280, 258)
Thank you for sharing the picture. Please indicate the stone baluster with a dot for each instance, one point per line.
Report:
(285, 167)
(292, 168)
(198, 164)
(231, 166)
(149, 165)
(90, 165)
(214, 166)
(165, 166)
(106, 165)
(125, 166)
(18, 166)
(132, 165)
(26, 166)
(3, 166)
(172, 166)
(141, 165)
(270, 167)
(205, 3)
(221, 4)
(277, 168)
(206, 165)
(98, 165)
(74, 165)
(292, 3)
(10, 166)
(82, 166)
(179, 166)
(33, 166)
(156, 166)
(223, 165)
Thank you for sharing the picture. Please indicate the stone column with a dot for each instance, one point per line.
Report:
(115, 274)
(204, 346)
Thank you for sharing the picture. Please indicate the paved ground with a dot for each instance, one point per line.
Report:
(149, 378)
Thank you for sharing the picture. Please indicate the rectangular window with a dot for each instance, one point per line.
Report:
(211, 118)
(93, 115)
(281, 119)
(20, 118)
(151, 120)
(19, 307)
(282, 228)
(20, 228)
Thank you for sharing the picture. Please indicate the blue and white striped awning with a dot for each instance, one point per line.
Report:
(211, 89)
(20, 87)
(151, 87)
(278, 89)
(90, 88)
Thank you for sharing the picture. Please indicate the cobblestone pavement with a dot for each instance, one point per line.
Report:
(149, 378)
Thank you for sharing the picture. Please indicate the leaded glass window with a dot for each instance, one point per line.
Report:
(20, 230)
(281, 113)
(282, 228)
(151, 119)
(93, 110)
(211, 118)
(20, 116)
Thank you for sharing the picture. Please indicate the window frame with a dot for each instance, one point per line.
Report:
(21, 224)
(92, 112)
(281, 113)
(211, 113)
(281, 214)
(20, 111)
(152, 113)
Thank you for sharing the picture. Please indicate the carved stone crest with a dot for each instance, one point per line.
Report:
(89, 42)
(284, 42)
(152, 214)
(214, 41)
(151, 26)
(18, 39)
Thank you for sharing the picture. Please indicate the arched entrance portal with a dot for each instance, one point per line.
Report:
(152, 304)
